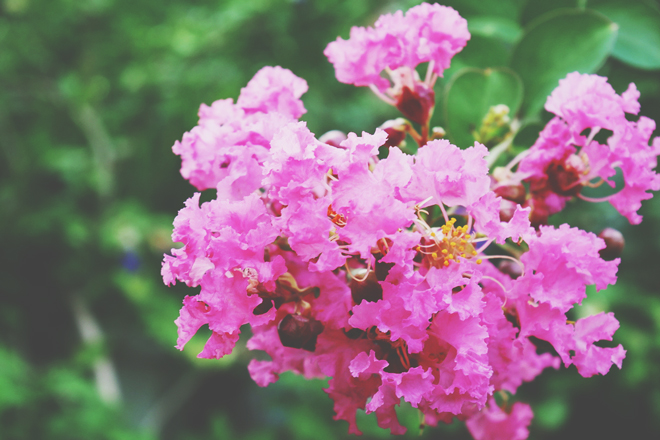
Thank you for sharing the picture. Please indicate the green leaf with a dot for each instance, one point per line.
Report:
(471, 93)
(535, 9)
(501, 28)
(559, 43)
(638, 43)
(468, 8)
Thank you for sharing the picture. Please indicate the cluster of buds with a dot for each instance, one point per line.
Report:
(416, 277)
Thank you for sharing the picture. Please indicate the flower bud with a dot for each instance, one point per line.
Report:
(614, 243)
(417, 104)
(495, 126)
(297, 331)
(539, 215)
(515, 192)
(438, 133)
(333, 138)
(396, 130)
(507, 209)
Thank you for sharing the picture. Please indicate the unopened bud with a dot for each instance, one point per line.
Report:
(297, 331)
(515, 192)
(614, 244)
(539, 215)
(416, 105)
(333, 137)
(495, 126)
(507, 209)
(396, 130)
(438, 133)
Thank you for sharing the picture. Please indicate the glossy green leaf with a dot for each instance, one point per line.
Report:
(559, 43)
(471, 93)
(501, 28)
(535, 9)
(638, 43)
(469, 8)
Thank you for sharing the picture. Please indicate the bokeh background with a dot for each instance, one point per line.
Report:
(93, 93)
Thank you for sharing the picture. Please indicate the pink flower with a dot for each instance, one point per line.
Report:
(426, 33)
(494, 423)
(274, 89)
(397, 44)
(564, 160)
(231, 140)
(563, 262)
(448, 174)
(404, 278)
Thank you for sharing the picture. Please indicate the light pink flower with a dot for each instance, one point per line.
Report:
(230, 139)
(426, 33)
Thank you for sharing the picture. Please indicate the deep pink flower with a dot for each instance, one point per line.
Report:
(494, 423)
(566, 158)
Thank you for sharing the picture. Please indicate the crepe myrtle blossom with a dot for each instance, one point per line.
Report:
(237, 136)
(396, 45)
(418, 278)
(344, 271)
(567, 158)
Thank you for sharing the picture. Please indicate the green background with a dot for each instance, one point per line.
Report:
(93, 95)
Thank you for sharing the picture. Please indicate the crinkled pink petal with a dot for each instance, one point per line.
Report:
(274, 89)
(426, 33)
(493, 423)
(283, 358)
(219, 344)
(585, 101)
(360, 59)
(430, 32)
(553, 144)
(369, 208)
(448, 174)
(486, 212)
(589, 358)
(412, 385)
(383, 403)
(637, 160)
(334, 354)
(364, 365)
(568, 260)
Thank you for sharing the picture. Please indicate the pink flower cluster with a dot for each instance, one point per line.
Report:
(566, 158)
(397, 44)
(398, 277)
(427, 33)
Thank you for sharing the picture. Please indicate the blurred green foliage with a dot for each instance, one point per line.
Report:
(94, 94)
